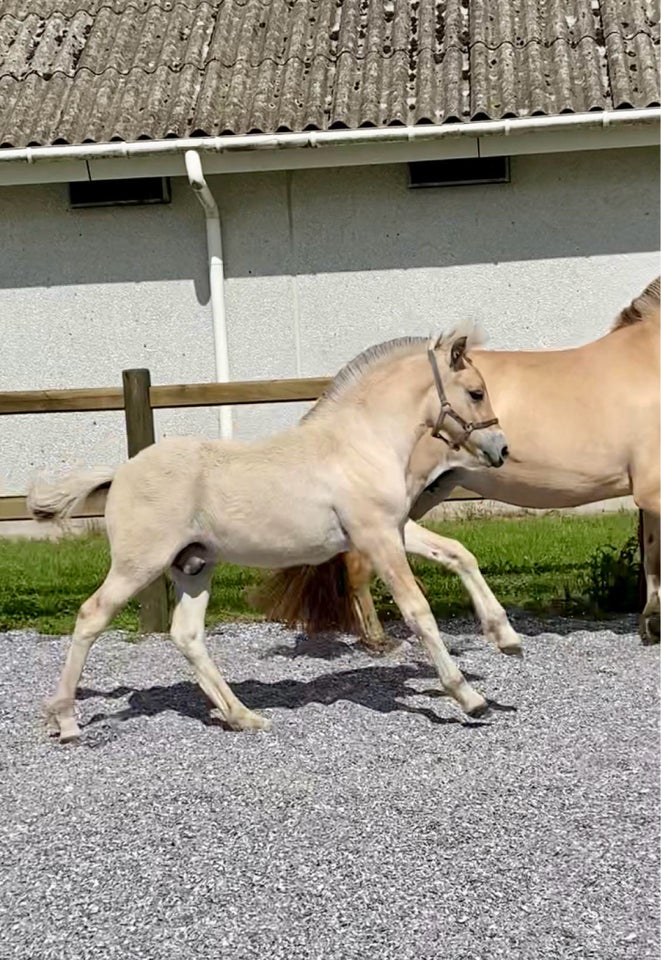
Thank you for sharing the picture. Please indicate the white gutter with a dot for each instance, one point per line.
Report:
(335, 138)
(216, 279)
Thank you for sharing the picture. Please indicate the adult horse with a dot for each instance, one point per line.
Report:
(582, 425)
(338, 480)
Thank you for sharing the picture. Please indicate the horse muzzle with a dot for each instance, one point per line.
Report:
(493, 448)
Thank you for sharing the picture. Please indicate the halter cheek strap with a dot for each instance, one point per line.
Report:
(447, 411)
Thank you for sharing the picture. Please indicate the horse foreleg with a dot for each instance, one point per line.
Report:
(386, 552)
(452, 555)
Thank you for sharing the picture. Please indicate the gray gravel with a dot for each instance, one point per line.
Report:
(372, 822)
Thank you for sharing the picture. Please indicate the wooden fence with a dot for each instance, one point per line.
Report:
(138, 398)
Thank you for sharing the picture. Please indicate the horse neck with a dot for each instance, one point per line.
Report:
(390, 404)
(429, 459)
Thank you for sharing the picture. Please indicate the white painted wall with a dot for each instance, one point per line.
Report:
(320, 264)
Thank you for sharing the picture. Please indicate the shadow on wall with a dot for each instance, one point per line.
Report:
(47, 244)
(352, 219)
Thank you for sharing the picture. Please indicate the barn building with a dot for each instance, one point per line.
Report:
(374, 169)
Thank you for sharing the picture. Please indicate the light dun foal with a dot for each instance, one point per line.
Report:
(337, 480)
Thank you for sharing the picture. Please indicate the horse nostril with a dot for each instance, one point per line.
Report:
(505, 452)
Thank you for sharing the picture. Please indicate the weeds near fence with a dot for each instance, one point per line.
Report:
(611, 582)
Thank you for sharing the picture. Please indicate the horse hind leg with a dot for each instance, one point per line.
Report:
(359, 573)
(93, 617)
(187, 633)
(647, 496)
(650, 617)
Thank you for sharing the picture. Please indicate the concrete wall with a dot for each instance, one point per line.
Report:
(319, 264)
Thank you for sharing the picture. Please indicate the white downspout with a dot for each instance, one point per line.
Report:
(216, 279)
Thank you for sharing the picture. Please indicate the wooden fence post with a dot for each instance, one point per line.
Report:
(140, 434)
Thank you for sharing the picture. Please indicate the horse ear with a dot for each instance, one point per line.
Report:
(457, 352)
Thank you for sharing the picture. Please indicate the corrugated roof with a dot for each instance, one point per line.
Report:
(76, 71)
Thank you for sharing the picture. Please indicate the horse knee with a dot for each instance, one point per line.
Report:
(461, 561)
(454, 557)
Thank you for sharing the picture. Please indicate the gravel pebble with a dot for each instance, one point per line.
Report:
(373, 821)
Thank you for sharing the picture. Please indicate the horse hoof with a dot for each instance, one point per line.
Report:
(69, 730)
(512, 650)
(383, 647)
(480, 712)
(52, 728)
(249, 721)
(472, 702)
(649, 629)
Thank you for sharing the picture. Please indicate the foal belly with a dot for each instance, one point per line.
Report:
(276, 544)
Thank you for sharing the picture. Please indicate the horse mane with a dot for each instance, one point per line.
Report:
(352, 372)
(640, 307)
(356, 369)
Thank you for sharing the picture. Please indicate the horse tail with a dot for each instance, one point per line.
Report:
(58, 500)
(310, 598)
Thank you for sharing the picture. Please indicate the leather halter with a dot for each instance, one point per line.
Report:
(447, 411)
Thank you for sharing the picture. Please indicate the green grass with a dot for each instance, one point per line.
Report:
(531, 562)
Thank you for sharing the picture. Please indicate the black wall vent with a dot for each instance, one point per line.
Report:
(119, 193)
(460, 172)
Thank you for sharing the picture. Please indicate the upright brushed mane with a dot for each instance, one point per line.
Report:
(640, 307)
(357, 368)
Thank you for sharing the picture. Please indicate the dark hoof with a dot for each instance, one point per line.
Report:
(481, 712)
(383, 649)
(513, 652)
(649, 629)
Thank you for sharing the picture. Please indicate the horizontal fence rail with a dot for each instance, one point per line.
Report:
(95, 399)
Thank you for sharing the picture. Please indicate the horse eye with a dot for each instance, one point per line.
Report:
(476, 395)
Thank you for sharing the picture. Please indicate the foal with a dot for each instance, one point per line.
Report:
(184, 504)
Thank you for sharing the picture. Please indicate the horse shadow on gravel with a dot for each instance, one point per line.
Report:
(379, 688)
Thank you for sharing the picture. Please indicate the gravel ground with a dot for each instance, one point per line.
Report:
(371, 822)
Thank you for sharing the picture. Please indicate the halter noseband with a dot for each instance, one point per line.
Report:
(447, 411)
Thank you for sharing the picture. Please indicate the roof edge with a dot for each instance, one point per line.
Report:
(254, 152)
